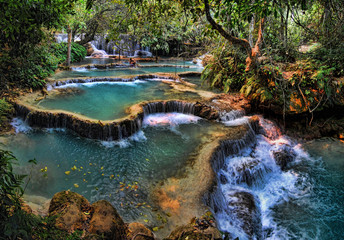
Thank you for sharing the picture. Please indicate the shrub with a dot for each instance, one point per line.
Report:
(78, 52)
(6, 111)
(31, 70)
(226, 70)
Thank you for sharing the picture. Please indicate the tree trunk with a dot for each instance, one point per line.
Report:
(252, 53)
(69, 49)
(251, 31)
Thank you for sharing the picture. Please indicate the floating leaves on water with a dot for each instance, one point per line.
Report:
(74, 168)
(155, 229)
(58, 165)
(84, 180)
(81, 168)
(112, 176)
(102, 174)
(90, 164)
(67, 172)
(44, 169)
(76, 185)
(145, 220)
(147, 159)
(101, 168)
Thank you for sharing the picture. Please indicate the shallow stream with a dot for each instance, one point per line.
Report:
(302, 200)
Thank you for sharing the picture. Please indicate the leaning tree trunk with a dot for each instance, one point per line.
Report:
(69, 49)
(252, 52)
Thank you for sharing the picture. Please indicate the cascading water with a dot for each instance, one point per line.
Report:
(98, 53)
(264, 177)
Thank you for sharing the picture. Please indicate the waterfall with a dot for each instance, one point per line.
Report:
(253, 175)
(110, 131)
(126, 43)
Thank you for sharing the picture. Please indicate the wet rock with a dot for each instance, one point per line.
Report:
(243, 208)
(249, 172)
(99, 54)
(207, 59)
(284, 157)
(69, 209)
(192, 232)
(89, 49)
(138, 231)
(106, 221)
(205, 111)
(141, 53)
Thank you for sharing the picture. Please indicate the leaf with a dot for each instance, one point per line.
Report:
(76, 185)
(67, 172)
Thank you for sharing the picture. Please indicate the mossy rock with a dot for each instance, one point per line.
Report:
(107, 222)
(69, 207)
(138, 231)
(190, 232)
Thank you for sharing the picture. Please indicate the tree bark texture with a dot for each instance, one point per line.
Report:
(252, 52)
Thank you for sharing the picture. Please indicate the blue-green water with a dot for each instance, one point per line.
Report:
(118, 72)
(304, 202)
(109, 100)
(110, 170)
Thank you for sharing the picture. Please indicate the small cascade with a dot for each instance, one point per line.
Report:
(126, 43)
(253, 176)
(98, 53)
(142, 54)
(232, 115)
(71, 82)
(109, 131)
(169, 106)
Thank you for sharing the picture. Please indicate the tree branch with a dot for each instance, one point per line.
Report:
(234, 40)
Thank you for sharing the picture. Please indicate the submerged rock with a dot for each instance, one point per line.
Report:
(106, 221)
(192, 232)
(243, 207)
(138, 231)
(69, 209)
(284, 157)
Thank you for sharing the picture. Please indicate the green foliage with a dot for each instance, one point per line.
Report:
(15, 223)
(22, 22)
(10, 192)
(331, 56)
(6, 111)
(78, 52)
(262, 87)
(226, 69)
(31, 70)
(309, 88)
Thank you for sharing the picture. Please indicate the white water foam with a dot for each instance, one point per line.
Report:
(255, 171)
(80, 69)
(20, 126)
(169, 119)
(124, 143)
(93, 84)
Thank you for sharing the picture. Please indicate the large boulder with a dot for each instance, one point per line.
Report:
(283, 157)
(106, 221)
(138, 231)
(89, 48)
(199, 230)
(71, 211)
(243, 208)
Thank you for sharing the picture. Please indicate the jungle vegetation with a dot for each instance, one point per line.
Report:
(282, 54)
